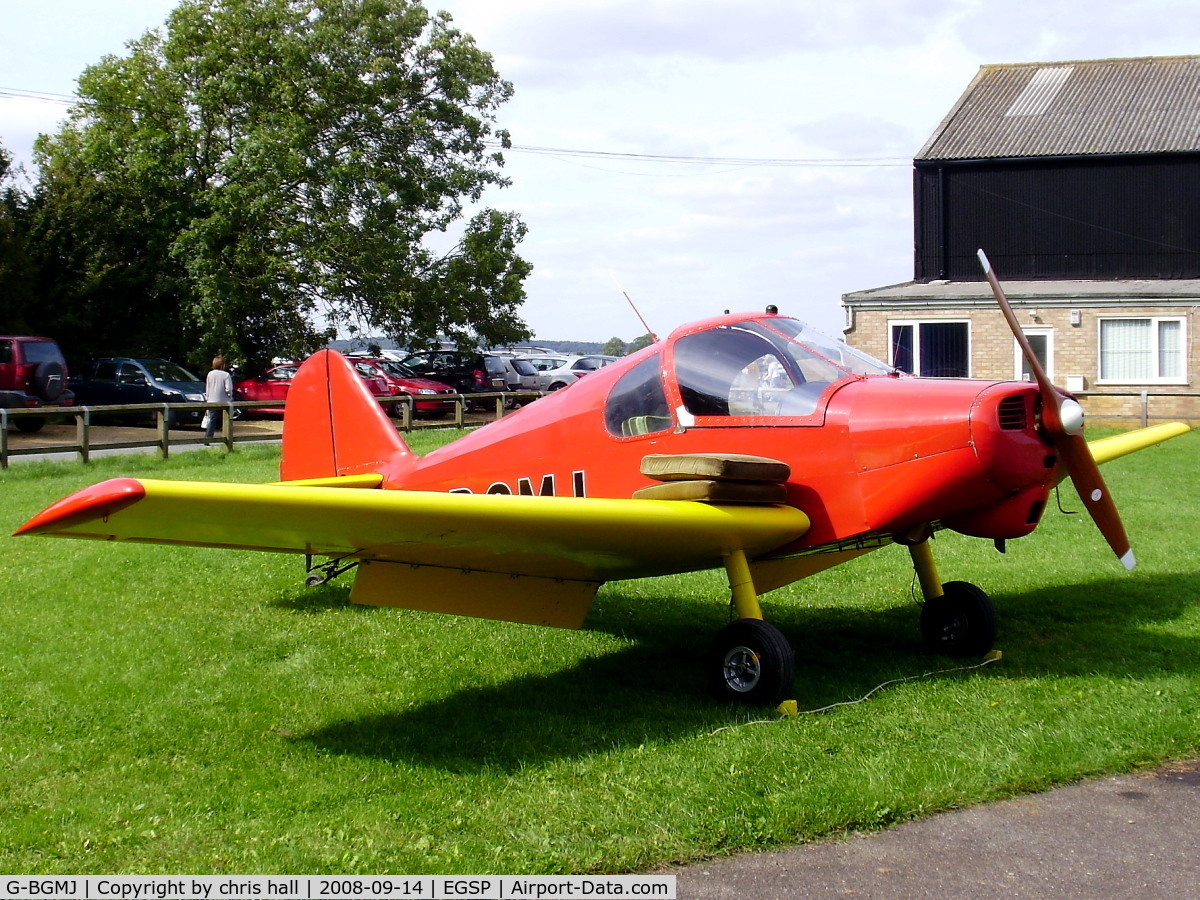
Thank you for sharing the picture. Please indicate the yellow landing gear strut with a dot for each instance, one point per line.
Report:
(750, 660)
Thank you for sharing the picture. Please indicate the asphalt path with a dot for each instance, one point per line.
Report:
(1132, 836)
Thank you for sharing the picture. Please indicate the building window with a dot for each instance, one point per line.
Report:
(934, 349)
(1042, 342)
(1142, 351)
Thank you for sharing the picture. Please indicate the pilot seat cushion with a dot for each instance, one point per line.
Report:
(715, 491)
(715, 466)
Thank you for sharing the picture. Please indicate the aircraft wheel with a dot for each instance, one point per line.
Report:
(751, 662)
(961, 622)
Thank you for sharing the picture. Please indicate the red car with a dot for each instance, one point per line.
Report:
(273, 384)
(402, 381)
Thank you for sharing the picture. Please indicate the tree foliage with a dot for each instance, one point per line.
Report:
(16, 269)
(614, 346)
(265, 171)
(640, 343)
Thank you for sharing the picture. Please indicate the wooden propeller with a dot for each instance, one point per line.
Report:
(1062, 417)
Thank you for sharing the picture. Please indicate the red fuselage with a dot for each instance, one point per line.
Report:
(873, 454)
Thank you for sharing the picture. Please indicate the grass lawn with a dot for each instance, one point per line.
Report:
(191, 711)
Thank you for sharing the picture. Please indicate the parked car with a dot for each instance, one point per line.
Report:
(402, 381)
(466, 372)
(33, 375)
(554, 373)
(120, 380)
(499, 365)
(274, 383)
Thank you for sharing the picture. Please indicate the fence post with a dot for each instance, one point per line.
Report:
(83, 432)
(406, 414)
(227, 428)
(499, 406)
(164, 425)
(459, 403)
(3, 438)
(1145, 407)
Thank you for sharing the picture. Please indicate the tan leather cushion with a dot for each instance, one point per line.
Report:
(715, 491)
(718, 466)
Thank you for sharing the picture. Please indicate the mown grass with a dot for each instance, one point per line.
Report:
(192, 711)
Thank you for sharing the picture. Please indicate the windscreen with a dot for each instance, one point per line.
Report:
(399, 370)
(161, 370)
(842, 354)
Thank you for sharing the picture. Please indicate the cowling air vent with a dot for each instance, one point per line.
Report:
(1012, 413)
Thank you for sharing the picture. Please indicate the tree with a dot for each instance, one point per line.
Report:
(290, 163)
(106, 284)
(614, 347)
(16, 270)
(639, 343)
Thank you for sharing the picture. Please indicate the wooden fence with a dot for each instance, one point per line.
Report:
(84, 444)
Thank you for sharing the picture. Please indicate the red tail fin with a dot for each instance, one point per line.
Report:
(333, 426)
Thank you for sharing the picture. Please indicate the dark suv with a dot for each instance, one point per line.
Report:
(467, 373)
(33, 374)
(121, 380)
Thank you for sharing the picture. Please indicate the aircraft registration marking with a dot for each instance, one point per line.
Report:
(546, 487)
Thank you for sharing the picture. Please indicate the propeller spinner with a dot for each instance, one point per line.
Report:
(1062, 417)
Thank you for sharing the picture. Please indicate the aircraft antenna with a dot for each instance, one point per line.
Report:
(653, 336)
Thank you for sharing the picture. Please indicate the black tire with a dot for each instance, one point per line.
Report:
(751, 662)
(960, 623)
(557, 386)
(30, 425)
(48, 381)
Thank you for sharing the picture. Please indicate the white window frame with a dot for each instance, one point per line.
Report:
(1154, 321)
(916, 324)
(1019, 357)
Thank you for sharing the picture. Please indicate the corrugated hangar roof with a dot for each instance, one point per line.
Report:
(1143, 105)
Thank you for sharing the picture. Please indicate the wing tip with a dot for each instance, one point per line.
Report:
(95, 502)
(1127, 560)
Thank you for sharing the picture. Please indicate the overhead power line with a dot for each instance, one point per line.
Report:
(710, 160)
(20, 94)
(612, 156)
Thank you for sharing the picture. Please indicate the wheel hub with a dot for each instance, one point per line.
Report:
(743, 669)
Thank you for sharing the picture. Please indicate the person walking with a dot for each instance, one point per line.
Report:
(218, 388)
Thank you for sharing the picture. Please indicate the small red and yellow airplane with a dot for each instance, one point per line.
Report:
(747, 441)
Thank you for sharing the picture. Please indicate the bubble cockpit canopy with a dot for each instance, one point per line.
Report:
(763, 367)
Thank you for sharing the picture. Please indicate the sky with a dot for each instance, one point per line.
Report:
(813, 109)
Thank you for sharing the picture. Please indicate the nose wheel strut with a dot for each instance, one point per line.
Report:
(957, 618)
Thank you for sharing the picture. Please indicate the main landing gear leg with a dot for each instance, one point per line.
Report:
(957, 618)
(750, 661)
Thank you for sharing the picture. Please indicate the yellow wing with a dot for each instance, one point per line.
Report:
(1106, 449)
(521, 558)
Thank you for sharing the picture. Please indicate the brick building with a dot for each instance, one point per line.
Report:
(1081, 181)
